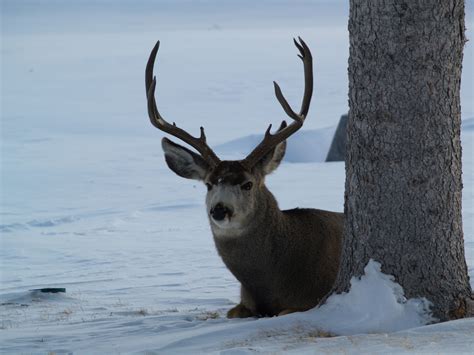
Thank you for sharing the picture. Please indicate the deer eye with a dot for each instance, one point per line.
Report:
(247, 186)
(209, 187)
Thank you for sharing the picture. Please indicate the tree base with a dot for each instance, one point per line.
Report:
(464, 309)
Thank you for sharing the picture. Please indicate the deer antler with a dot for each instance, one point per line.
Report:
(159, 122)
(271, 140)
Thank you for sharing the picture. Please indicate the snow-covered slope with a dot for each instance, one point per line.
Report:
(304, 147)
(88, 204)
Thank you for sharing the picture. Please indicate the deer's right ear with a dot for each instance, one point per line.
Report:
(184, 162)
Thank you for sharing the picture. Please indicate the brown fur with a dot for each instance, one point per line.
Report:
(287, 260)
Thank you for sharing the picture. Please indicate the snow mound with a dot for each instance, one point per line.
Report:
(375, 303)
(304, 147)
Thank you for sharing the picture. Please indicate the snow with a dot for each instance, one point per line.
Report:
(87, 202)
(374, 304)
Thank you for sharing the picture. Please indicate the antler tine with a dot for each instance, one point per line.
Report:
(159, 122)
(271, 140)
(307, 59)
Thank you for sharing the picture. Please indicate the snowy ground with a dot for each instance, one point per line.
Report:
(87, 202)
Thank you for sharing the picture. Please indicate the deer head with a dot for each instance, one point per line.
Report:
(235, 188)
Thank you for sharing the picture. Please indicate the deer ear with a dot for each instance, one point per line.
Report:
(184, 162)
(272, 159)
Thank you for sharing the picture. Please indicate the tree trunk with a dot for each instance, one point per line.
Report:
(403, 162)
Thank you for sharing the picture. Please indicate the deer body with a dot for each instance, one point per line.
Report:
(286, 261)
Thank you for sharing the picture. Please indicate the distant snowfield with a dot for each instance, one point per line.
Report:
(88, 203)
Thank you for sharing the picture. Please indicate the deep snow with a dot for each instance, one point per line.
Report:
(87, 202)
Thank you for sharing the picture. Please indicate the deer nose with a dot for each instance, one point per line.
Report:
(219, 211)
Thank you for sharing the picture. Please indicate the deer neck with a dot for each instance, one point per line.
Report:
(248, 252)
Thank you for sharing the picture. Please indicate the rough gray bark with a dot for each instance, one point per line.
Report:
(403, 163)
(337, 150)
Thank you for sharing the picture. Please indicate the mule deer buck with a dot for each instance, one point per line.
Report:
(286, 261)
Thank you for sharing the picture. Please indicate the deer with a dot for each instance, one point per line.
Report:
(286, 261)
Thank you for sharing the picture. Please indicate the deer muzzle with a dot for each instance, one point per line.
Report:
(219, 212)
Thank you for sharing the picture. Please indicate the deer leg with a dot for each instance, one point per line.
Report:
(240, 311)
(246, 308)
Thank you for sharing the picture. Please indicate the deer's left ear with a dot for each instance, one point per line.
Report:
(272, 159)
